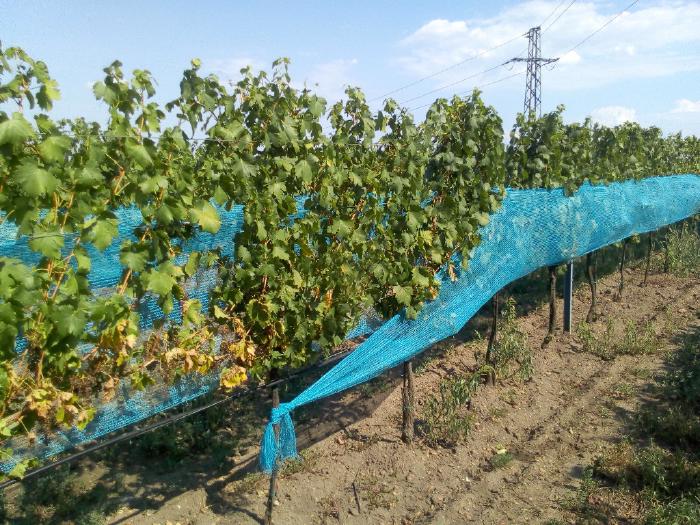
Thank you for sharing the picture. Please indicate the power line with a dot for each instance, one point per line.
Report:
(503, 79)
(606, 24)
(450, 84)
(444, 70)
(559, 16)
(552, 13)
(473, 57)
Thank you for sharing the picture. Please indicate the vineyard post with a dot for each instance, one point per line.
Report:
(408, 403)
(568, 295)
(491, 377)
(650, 248)
(552, 304)
(591, 272)
(623, 257)
(272, 492)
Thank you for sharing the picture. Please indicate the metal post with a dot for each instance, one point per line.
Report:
(568, 295)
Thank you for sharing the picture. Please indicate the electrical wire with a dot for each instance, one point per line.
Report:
(606, 24)
(170, 420)
(448, 68)
(449, 85)
(503, 79)
(552, 13)
(468, 59)
(559, 16)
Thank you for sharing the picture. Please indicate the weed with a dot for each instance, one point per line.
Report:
(634, 340)
(358, 441)
(642, 373)
(623, 391)
(374, 492)
(511, 354)
(500, 460)
(303, 463)
(446, 417)
(637, 340)
(659, 465)
(330, 508)
(683, 251)
(510, 396)
(376, 386)
(248, 484)
(598, 345)
(581, 503)
(60, 498)
(497, 413)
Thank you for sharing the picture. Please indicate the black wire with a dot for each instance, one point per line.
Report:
(170, 420)
(468, 59)
(606, 24)
(559, 16)
(403, 102)
(477, 87)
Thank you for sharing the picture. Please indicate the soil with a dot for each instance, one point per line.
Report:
(356, 469)
(551, 426)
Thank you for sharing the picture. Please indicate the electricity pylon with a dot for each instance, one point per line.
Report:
(533, 81)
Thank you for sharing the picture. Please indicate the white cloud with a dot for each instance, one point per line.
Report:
(572, 57)
(650, 41)
(686, 106)
(329, 79)
(614, 115)
(229, 69)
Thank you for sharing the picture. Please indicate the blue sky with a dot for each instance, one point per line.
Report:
(645, 66)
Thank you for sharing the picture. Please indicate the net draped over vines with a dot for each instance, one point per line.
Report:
(533, 228)
(143, 264)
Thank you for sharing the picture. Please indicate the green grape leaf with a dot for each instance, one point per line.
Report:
(15, 130)
(207, 217)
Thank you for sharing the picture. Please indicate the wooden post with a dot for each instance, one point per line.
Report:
(591, 272)
(272, 492)
(650, 247)
(622, 270)
(408, 403)
(552, 304)
(568, 295)
(491, 377)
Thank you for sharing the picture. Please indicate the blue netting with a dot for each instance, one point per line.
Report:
(534, 228)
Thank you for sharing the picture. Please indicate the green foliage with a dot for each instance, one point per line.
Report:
(446, 417)
(682, 245)
(345, 209)
(511, 354)
(657, 467)
(632, 339)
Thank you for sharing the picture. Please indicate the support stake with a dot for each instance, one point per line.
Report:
(592, 282)
(552, 304)
(272, 492)
(568, 295)
(408, 403)
(650, 248)
(491, 377)
(623, 258)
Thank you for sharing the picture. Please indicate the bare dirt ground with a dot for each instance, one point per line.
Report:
(551, 426)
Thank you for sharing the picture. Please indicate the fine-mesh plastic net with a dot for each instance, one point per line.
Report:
(533, 228)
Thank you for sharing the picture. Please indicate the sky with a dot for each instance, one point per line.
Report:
(643, 67)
